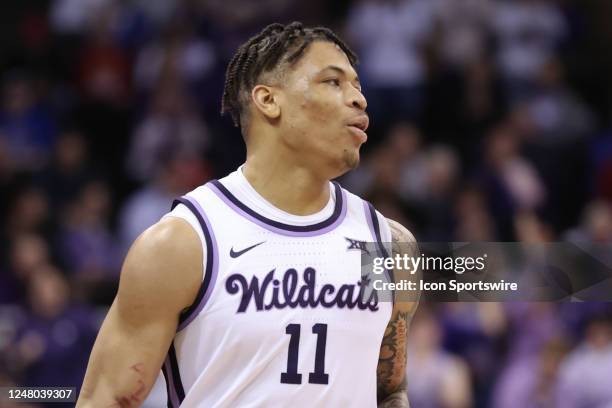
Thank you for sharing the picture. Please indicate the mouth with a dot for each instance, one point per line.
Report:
(358, 133)
(358, 127)
(360, 122)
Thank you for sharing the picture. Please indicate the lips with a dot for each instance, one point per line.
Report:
(360, 122)
(359, 135)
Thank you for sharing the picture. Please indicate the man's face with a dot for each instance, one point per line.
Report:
(323, 115)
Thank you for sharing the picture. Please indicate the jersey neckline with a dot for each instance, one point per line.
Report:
(283, 228)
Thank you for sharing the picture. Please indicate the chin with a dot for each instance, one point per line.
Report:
(339, 165)
(351, 159)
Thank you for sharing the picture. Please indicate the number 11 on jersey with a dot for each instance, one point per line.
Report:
(291, 376)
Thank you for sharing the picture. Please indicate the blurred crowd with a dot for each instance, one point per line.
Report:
(491, 121)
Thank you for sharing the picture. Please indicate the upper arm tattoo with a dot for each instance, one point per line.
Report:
(391, 370)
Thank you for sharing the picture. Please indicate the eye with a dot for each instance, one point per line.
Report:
(333, 81)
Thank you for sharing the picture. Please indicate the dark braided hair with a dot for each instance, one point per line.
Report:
(274, 46)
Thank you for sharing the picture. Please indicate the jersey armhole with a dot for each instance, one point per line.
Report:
(379, 228)
(191, 211)
(385, 232)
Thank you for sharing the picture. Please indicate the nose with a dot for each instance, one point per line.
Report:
(357, 100)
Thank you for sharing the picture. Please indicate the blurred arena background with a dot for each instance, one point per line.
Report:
(491, 121)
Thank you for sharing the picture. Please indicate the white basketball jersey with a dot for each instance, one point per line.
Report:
(281, 318)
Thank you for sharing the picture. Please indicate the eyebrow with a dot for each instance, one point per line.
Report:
(340, 71)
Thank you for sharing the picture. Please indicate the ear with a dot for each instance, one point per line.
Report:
(266, 101)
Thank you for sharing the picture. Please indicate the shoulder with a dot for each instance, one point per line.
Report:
(403, 242)
(163, 265)
(399, 233)
(170, 237)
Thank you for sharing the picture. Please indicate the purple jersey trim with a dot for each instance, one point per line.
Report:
(374, 226)
(212, 262)
(366, 209)
(169, 403)
(174, 386)
(322, 227)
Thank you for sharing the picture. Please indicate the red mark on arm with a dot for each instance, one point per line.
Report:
(134, 398)
(138, 368)
(136, 395)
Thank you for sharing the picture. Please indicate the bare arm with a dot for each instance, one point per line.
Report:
(391, 371)
(160, 277)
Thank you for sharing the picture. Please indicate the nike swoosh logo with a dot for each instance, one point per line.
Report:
(236, 254)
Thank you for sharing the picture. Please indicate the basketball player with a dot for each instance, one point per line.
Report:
(248, 292)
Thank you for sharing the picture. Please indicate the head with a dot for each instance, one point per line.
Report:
(295, 90)
(48, 291)
(425, 331)
(599, 331)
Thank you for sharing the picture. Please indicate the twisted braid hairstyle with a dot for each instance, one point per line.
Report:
(264, 57)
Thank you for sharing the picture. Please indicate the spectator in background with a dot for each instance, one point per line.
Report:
(463, 31)
(554, 125)
(530, 229)
(422, 179)
(391, 37)
(510, 181)
(405, 141)
(27, 226)
(419, 181)
(74, 16)
(88, 246)
(481, 107)
(442, 174)
(438, 379)
(104, 68)
(558, 116)
(29, 213)
(473, 331)
(172, 125)
(69, 170)
(596, 226)
(585, 374)
(27, 128)
(55, 333)
(470, 101)
(158, 12)
(529, 33)
(532, 382)
(28, 252)
(237, 14)
(178, 173)
(473, 220)
(531, 327)
(594, 237)
(179, 54)
(398, 164)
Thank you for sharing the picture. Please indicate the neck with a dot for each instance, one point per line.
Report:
(285, 184)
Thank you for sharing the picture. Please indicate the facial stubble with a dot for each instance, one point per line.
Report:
(351, 159)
